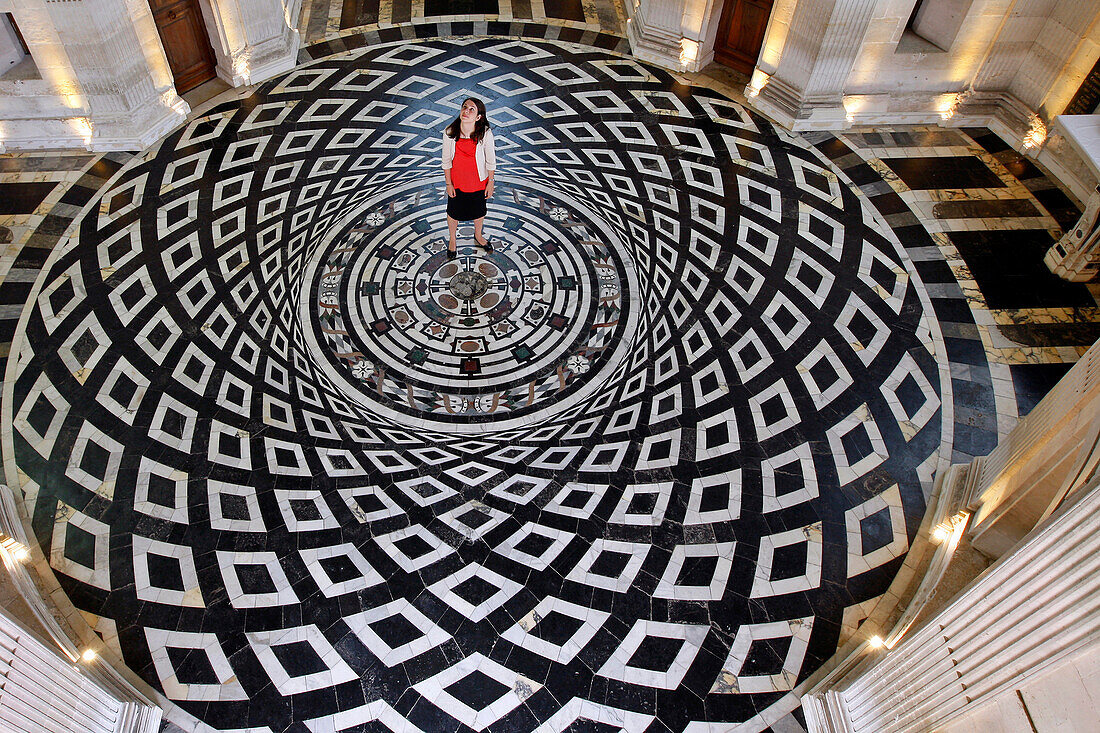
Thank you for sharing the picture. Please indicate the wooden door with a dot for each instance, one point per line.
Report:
(741, 33)
(186, 44)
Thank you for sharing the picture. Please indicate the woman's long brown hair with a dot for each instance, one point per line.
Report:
(454, 130)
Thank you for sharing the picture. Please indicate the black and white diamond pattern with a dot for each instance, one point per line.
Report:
(308, 489)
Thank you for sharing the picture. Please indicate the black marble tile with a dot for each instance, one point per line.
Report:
(934, 271)
(401, 11)
(23, 198)
(889, 203)
(952, 310)
(1034, 381)
(358, 12)
(564, 10)
(1052, 334)
(923, 173)
(1059, 205)
(521, 9)
(460, 7)
(1008, 267)
(988, 140)
(984, 209)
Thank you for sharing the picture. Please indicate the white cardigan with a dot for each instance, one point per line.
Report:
(484, 154)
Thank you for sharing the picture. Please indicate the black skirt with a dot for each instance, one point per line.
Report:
(466, 206)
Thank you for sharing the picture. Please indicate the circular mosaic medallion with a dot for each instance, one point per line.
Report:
(553, 305)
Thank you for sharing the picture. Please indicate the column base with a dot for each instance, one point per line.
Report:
(254, 64)
(1001, 112)
(654, 45)
(136, 132)
(39, 134)
(784, 105)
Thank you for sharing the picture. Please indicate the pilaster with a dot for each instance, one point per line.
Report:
(675, 34)
(255, 40)
(105, 85)
(816, 50)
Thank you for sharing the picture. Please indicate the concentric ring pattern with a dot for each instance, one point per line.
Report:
(649, 478)
(555, 305)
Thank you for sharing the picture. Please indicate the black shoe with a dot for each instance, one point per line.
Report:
(452, 254)
(488, 246)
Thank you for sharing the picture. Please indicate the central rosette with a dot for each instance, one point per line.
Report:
(470, 285)
(487, 333)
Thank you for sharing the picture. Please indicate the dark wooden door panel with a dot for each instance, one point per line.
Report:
(183, 35)
(741, 33)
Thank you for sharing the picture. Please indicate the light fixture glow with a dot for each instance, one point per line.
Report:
(876, 642)
(82, 126)
(242, 69)
(758, 82)
(950, 529)
(689, 51)
(88, 656)
(950, 106)
(17, 550)
(1036, 134)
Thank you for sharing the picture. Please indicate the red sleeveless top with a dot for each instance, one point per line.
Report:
(464, 167)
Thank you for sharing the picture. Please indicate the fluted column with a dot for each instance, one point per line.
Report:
(807, 59)
(256, 39)
(675, 34)
(1034, 613)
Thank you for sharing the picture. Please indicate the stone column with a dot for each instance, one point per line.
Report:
(105, 82)
(255, 39)
(806, 62)
(1032, 615)
(1032, 69)
(1039, 462)
(675, 34)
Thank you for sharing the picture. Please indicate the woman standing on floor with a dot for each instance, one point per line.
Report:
(469, 161)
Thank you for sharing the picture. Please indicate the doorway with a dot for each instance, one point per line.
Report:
(185, 40)
(741, 33)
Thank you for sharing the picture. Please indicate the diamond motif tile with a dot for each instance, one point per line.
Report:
(254, 401)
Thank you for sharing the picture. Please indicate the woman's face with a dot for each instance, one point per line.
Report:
(469, 113)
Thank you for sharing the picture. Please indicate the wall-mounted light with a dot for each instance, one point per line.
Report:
(15, 549)
(758, 82)
(876, 642)
(88, 656)
(241, 69)
(853, 104)
(689, 51)
(950, 529)
(1036, 134)
(82, 126)
(949, 105)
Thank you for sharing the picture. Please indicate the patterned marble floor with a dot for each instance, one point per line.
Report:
(326, 20)
(648, 480)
